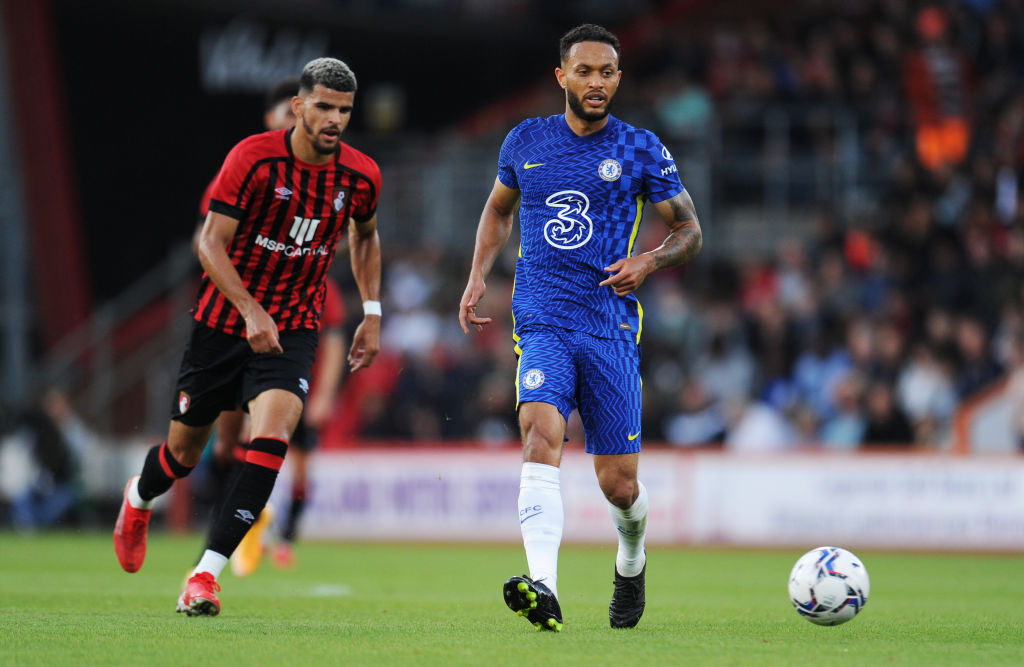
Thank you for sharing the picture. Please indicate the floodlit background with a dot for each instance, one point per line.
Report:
(854, 322)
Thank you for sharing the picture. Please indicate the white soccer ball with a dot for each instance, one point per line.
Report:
(829, 586)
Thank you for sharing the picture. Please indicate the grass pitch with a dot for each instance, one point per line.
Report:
(65, 601)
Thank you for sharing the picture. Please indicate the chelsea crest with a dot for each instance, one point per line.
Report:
(609, 170)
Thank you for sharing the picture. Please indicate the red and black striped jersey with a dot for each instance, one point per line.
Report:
(291, 216)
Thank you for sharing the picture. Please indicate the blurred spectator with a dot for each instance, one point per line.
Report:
(820, 369)
(726, 370)
(48, 433)
(886, 423)
(685, 109)
(844, 430)
(977, 369)
(754, 426)
(925, 391)
(938, 83)
(699, 419)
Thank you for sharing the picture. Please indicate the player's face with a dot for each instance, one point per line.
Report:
(280, 116)
(322, 116)
(590, 76)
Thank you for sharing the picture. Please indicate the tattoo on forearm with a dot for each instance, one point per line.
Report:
(685, 240)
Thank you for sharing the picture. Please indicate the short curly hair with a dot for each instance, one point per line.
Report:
(328, 72)
(588, 32)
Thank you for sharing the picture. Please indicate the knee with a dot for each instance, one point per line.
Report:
(620, 491)
(185, 453)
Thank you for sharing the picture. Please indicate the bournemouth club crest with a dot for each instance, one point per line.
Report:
(338, 199)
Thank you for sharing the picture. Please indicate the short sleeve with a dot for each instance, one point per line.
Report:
(367, 192)
(507, 160)
(234, 186)
(661, 176)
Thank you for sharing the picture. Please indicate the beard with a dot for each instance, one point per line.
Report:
(318, 145)
(590, 115)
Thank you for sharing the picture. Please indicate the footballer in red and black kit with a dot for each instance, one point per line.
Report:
(278, 209)
(290, 216)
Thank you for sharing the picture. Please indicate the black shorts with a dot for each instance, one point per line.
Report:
(221, 372)
(305, 437)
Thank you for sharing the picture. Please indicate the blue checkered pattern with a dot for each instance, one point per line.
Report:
(582, 200)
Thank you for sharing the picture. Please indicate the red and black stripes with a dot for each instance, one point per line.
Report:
(291, 216)
(267, 452)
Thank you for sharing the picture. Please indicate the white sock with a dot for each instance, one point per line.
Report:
(134, 499)
(631, 525)
(211, 562)
(541, 518)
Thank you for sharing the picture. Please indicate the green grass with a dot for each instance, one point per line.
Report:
(65, 601)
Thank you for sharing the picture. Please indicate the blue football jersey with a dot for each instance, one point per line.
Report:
(582, 200)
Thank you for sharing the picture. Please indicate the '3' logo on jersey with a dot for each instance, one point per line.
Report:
(572, 227)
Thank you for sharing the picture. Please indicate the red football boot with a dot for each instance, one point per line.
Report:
(200, 596)
(130, 533)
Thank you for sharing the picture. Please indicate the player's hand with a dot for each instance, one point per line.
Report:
(318, 409)
(365, 343)
(467, 307)
(261, 332)
(628, 274)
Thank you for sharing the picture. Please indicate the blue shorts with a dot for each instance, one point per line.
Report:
(599, 376)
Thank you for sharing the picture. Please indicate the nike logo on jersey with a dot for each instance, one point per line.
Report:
(634, 436)
(527, 165)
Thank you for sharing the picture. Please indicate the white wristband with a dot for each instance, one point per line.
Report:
(371, 308)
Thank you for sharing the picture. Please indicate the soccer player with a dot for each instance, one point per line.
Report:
(229, 447)
(580, 180)
(278, 209)
(229, 432)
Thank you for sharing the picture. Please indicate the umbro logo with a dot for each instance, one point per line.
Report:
(527, 165)
(244, 515)
(282, 193)
(304, 385)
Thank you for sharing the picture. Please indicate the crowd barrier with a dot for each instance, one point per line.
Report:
(884, 500)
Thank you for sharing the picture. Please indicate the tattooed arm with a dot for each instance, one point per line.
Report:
(681, 245)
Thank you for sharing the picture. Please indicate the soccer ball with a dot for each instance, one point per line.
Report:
(828, 586)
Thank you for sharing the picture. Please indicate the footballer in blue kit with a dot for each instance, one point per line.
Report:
(580, 181)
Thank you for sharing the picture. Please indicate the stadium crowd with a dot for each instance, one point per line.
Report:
(870, 330)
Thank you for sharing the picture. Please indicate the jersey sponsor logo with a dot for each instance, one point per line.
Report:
(282, 193)
(184, 400)
(672, 168)
(634, 436)
(533, 378)
(338, 201)
(572, 227)
(303, 229)
(528, 165)
(288, 249)
(610, 170)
